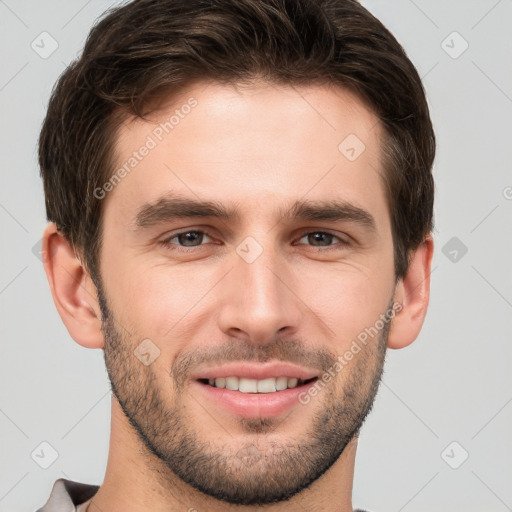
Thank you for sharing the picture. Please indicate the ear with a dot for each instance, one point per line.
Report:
(412, 292)
(73, 291)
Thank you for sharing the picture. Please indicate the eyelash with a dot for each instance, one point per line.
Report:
(175, 247)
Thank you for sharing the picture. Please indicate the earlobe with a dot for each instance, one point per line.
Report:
(412, 293)
(72, 290)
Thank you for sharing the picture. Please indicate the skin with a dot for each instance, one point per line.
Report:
(305, 300)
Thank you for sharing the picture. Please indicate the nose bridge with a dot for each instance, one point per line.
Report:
(259, 277)
(259, 302)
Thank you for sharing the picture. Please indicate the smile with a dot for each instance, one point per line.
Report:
(246, 385)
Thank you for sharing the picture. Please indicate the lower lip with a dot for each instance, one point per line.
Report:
(254, 405)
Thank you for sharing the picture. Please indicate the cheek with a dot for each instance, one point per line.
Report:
(347, 301)
(160, 302)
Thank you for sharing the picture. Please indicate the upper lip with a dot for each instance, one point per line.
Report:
(257, 371)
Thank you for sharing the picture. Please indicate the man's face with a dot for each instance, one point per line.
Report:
(257, 299)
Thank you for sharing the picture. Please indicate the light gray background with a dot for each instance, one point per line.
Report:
(452, 384)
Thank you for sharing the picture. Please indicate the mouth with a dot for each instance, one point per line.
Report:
(247, 385)
(250, 390)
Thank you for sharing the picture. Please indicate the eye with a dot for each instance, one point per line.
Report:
(191, 238)
(324, 239)
(185, 241)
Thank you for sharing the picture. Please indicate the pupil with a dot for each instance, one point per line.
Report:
(317, 235)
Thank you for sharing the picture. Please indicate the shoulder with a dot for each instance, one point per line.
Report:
(66, 493)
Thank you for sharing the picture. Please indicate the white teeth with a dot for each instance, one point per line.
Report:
(232, 383)
(281, 383)
(269, 385)
(220, 382)
(292, 383)
(248, 385)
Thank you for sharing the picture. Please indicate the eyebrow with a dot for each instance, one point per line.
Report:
(173, 207)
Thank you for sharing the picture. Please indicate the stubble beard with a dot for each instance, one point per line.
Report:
(259, 470)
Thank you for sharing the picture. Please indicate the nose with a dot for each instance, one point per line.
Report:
(259, 299)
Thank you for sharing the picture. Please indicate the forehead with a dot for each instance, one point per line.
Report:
(258, 147)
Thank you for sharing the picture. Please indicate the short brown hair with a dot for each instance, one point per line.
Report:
(143, 49)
